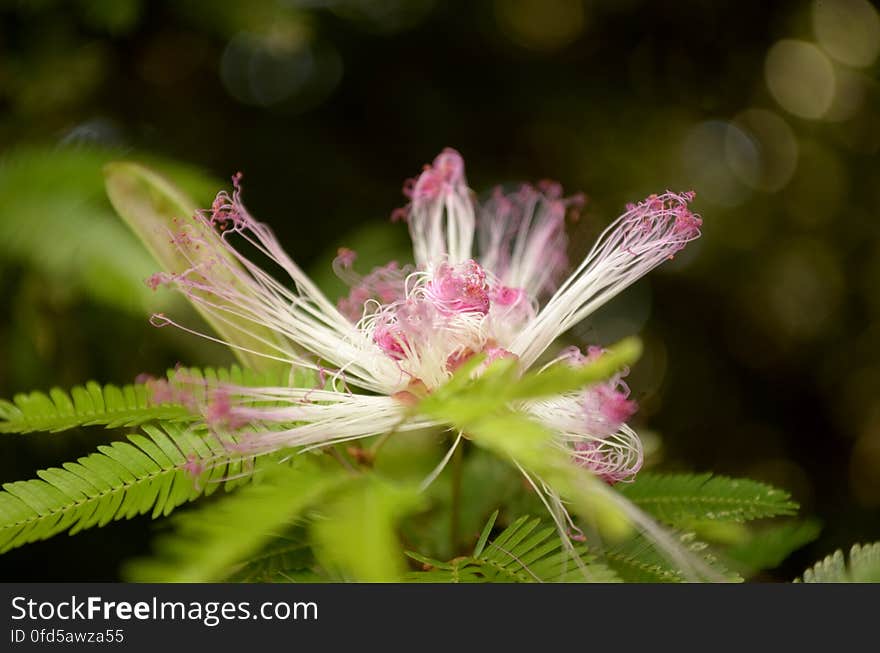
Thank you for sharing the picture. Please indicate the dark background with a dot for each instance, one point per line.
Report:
(762, 356)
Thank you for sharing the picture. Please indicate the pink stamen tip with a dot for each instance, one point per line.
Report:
(161, 392)
(577, 536)
(459, 358)
(507, 296)
(460, 289)
(594, 352)
(429, 186)
(386, 284)
(220, 412)
(409, 186)
(573, 356)
(450, 165)
(155, 280)
(578, 200)
(552, 190)
(615, 407)
(406, 398)
(390, 342)
(182, 239)
(443, 176)
(346, 257)
(193, 466)
(498, 353)
(219, 409)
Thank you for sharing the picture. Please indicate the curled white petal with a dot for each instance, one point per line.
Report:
(641, 239)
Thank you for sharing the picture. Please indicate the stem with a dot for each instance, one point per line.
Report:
(455, 517)
(341, 459)
(381, 440)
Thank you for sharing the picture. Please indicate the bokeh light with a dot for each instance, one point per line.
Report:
(800, 78)
(541, 24)
(771, 161)
(849, 95)
(848, 30)
(864, 463)
(817, 192)
(707, 153)
(800, 290)
(285, 68)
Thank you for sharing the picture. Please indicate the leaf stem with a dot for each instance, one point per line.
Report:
(381, 440)
(341, 459)
(455, 517)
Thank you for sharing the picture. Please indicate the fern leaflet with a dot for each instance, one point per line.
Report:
(149, 473)
(285, 559)
(638, 561)
(525, 552)
(88, 405)
(863, 567)
(126, 406)
(768, 547)
(211, 540)
(680, 499)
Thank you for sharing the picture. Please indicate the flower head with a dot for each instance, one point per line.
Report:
(487, 280)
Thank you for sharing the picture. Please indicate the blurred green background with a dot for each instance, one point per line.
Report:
(762, 338)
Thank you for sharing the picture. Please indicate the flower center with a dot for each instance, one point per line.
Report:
(446, 316)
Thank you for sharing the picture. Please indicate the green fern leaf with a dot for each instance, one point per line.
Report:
(152, 205)
(287, 556)
(638, 561)
(768, 547)
(147, 474)
(71, 236)
(680, 499)
(88, 405)
(527, 551)
(130, 405)
(863, 567)
(355, 535)
(210, 541)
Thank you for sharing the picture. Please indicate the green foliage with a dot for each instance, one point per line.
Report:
(116, 17)
(200, 378)
(463, 399)
(637, 560)
(71, 235)
(486, 482)
(153, 207)
(481, 408)
(209, 541)
(147, 474)
(129, 405)
(679, 499)
(768, 547)
(513, 436)
(87, 405)
(527, 551)
(286, 558)
(863, 567)
(356, 530)
(560, 378)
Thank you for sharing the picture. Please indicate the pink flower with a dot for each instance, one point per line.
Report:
(487, 280)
